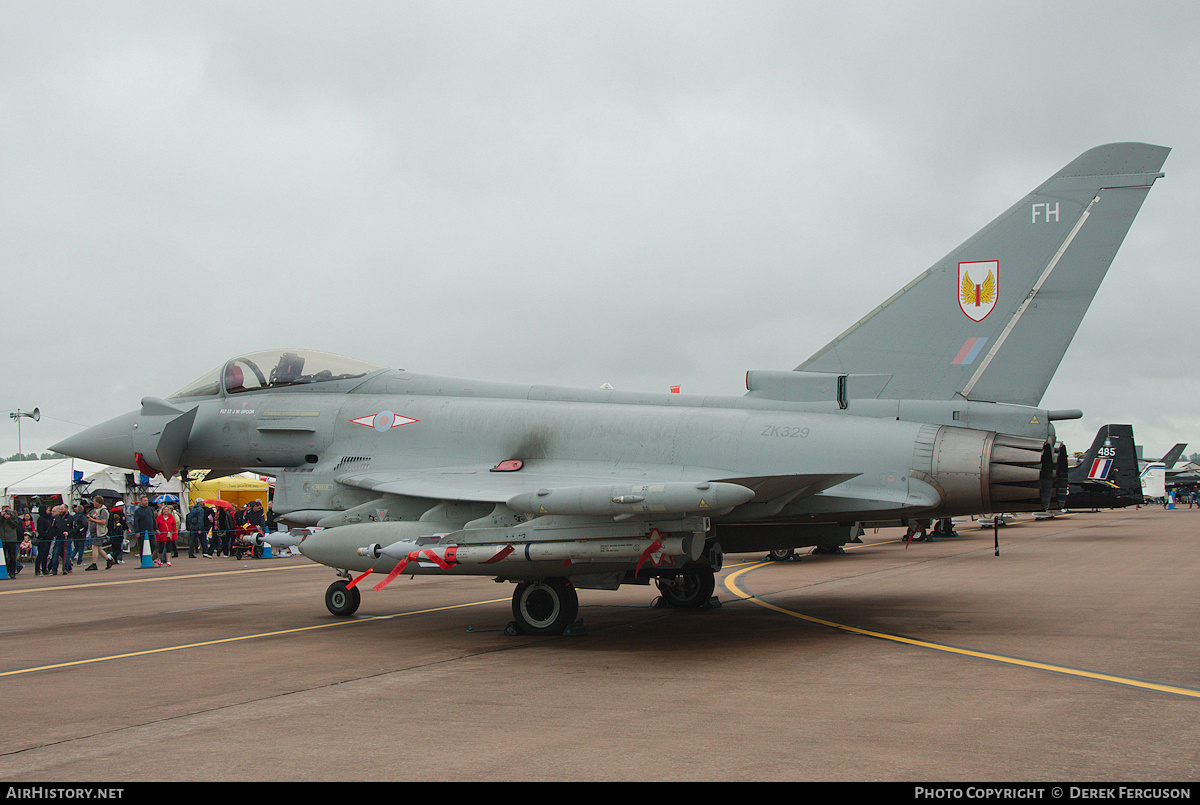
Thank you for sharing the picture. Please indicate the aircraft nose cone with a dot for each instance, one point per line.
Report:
(109, 442)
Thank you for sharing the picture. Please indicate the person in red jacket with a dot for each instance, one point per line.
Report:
(167, 532)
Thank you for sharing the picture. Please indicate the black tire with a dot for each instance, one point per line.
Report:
(545, 607)
(781, 554)
(341, 600)
(689, 589)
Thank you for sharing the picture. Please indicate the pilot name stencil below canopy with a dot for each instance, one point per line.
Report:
(927, 408)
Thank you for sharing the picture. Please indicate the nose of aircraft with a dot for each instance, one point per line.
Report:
(109, 442)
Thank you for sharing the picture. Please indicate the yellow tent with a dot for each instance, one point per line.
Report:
(237, 489)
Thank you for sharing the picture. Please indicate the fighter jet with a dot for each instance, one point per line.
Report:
(1107, 477)
(1183, 479)
(1176, 477)
(927, 408)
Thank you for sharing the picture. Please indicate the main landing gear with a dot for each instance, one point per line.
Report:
(545, 607)
(550, 606)
(689, 589)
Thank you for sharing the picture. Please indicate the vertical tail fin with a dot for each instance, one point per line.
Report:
(1173, 455)
(1108, 475)
(992, 320)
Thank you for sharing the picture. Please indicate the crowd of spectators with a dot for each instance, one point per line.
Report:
(61, 536)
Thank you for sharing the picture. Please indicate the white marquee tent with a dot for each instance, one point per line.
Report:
(56, 476)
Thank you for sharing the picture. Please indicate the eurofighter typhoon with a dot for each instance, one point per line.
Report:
(926, 408)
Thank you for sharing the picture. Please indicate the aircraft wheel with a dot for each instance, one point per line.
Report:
(690, 589)
(341, 600)
(545, 607)
(781, 554)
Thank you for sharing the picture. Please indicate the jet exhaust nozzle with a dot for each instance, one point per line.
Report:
(980, 472)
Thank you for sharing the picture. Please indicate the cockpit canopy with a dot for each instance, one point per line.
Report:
(275, 368)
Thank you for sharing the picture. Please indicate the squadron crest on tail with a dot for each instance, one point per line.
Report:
(977, 297)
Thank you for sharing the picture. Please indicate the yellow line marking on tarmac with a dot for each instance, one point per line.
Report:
(730, 583)
(239, 638)
(151, 579)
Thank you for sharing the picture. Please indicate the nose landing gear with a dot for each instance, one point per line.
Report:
(341, 600)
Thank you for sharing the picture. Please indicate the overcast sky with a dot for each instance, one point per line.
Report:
(635, 193)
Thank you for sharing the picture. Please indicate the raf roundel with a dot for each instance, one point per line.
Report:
(383, 421)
